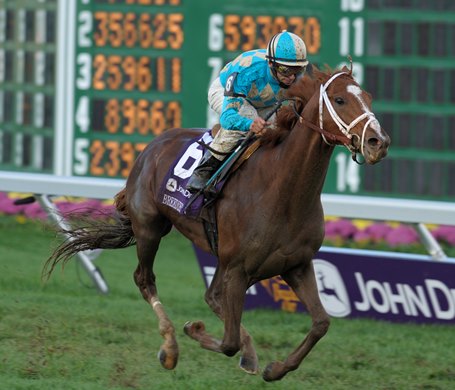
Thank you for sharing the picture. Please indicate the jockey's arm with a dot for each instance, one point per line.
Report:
(230, 118)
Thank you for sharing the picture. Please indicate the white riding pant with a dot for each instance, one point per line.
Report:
(225, 140)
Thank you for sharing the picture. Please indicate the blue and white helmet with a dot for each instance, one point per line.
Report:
(286, 48)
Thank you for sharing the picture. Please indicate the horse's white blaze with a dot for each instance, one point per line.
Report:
(357, 92)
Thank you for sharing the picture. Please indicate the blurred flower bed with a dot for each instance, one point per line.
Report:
(66, 205)
(396, 236)
(340, 232)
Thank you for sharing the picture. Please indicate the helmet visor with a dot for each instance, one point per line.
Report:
(289, 70)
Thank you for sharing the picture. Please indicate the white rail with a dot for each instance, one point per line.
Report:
(37, 183)
(43, 186)
(347, 206)
(389, 209)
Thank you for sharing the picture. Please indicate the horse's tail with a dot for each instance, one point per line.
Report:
(102, 233)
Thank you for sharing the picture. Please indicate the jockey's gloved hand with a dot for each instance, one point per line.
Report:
(258, 126)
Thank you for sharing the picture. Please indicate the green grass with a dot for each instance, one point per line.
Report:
(64, 335)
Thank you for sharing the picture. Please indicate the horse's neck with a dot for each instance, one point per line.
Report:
(306, 154)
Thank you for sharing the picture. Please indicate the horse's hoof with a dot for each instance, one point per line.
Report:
(191, 328)
(229, 350)
(168, 361)
(250, 366)
(274, 371)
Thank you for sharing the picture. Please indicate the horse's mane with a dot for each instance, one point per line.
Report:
(301, 91)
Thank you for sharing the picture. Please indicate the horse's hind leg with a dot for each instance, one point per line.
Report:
(147, 241)
(303, 282)
(196, 330)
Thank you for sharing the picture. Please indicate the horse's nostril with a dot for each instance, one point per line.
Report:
(374, 142)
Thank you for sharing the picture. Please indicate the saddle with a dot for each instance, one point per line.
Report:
(241, 152)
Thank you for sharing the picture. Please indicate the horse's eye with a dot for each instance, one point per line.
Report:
(339, 100)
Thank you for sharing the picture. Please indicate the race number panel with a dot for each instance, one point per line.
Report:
(122, 72)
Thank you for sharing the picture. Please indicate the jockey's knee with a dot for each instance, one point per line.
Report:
(226, 140)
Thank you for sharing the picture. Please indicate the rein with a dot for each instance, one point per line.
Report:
(250, 134)
(338, 139)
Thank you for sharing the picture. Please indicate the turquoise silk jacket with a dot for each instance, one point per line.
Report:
(248, 78)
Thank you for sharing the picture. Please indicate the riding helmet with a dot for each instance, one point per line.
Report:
(286, 48)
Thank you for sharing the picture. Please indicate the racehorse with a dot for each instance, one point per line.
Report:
(269, 215)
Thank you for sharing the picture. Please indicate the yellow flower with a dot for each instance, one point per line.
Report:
(21, 219)
(361, 223)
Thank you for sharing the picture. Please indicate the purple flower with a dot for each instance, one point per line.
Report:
(340, 228)
(445, 233)
(402, 235)
(362, 237)
(8, 207)
(34, 211)
(378, 231)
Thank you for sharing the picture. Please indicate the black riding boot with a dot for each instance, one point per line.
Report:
(203, 172)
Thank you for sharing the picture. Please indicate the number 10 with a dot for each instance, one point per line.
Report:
(352, 5)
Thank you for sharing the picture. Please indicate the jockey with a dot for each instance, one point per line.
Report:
(245, 92)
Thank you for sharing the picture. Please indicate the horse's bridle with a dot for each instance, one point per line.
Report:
(343, 127)
(345, 138)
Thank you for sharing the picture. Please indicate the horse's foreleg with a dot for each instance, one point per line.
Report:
(145, 280)
(303, 282)
(232, 300)
(248, 357)
(196, 330)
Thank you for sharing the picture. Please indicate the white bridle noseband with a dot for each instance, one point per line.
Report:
(344, 128)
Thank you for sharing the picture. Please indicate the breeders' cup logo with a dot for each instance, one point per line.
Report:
(171, 185)
(332, 290)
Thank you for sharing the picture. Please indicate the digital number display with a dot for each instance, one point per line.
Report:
(143, 73)
(113, 158)
(247, 32)
(128, 81)
(158, 31)
(141, 116)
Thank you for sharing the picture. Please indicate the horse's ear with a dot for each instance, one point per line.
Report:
(346, 69)
(321, 76)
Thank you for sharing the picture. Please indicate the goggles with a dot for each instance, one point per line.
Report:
(289, 70)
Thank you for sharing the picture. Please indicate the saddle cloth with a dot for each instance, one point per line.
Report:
(173, 192)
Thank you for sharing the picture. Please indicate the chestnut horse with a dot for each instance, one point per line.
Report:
(269, 216)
